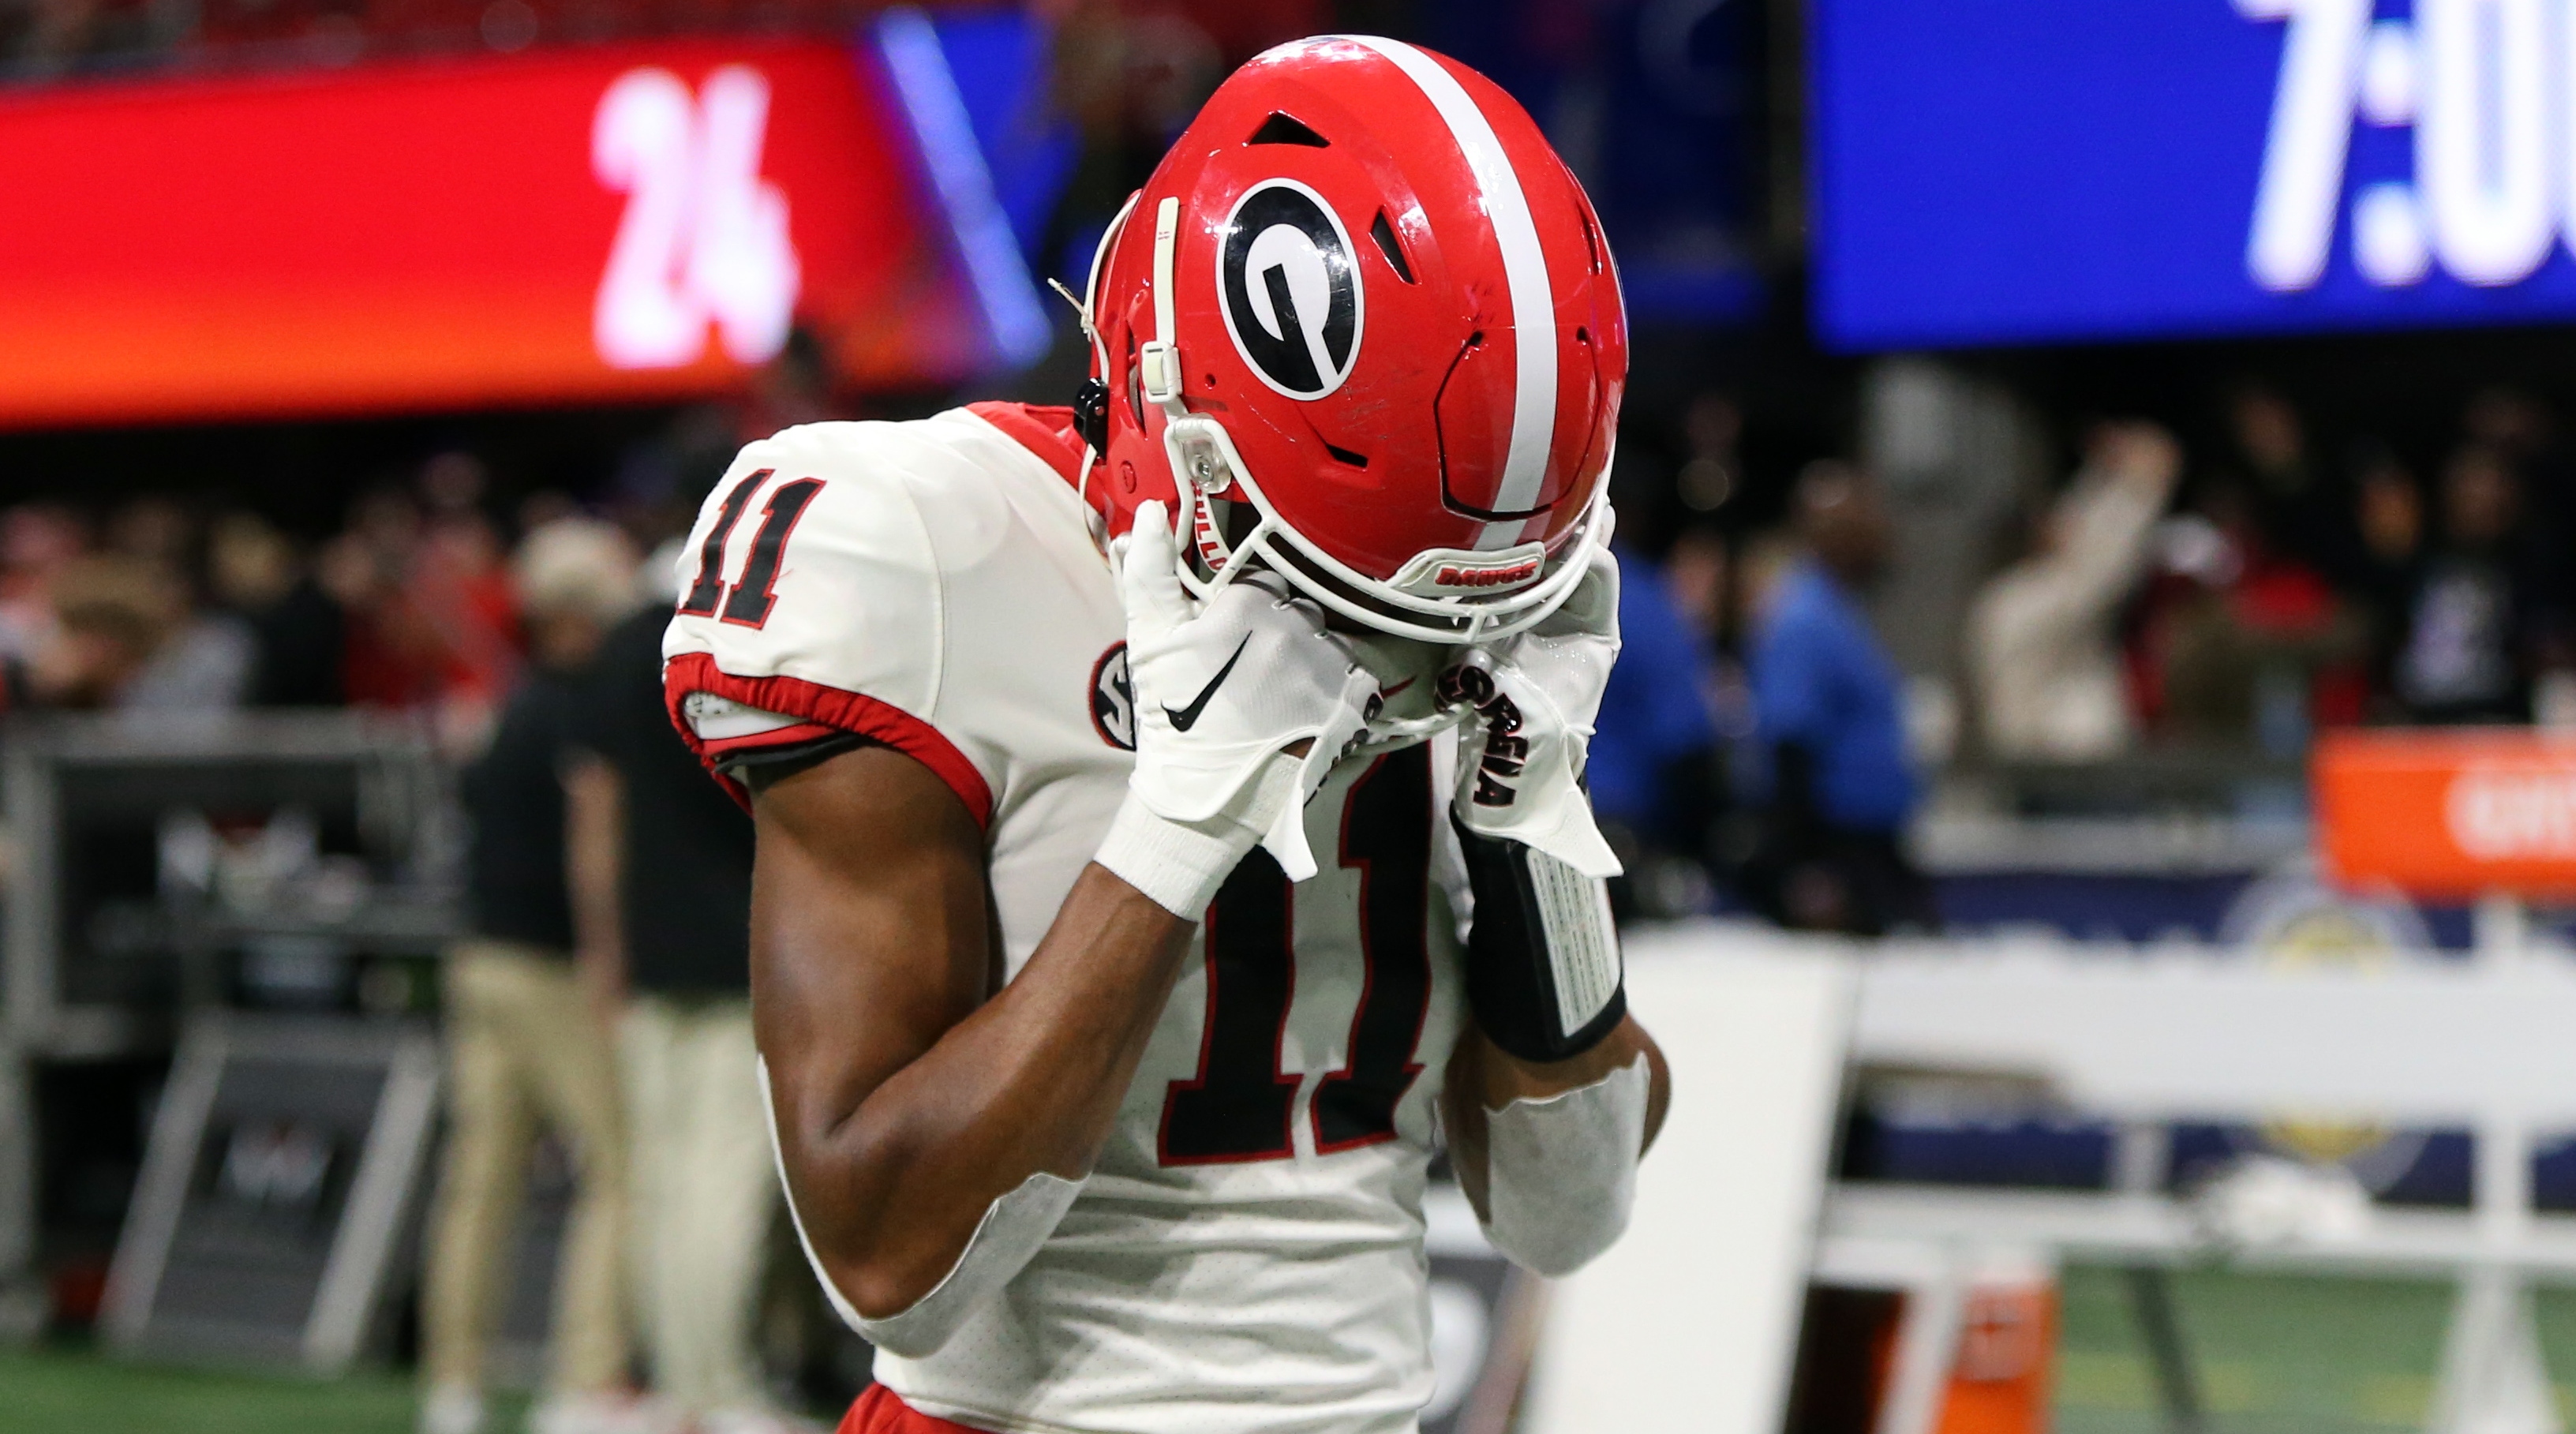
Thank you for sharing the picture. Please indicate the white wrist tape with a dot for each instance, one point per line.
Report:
(1181, 864)
(1560, 1173)
(1011, 1231)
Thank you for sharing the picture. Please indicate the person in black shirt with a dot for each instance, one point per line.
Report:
(2482, 619)
(662, 878)
(295, 626)
(526, 1043)
(679, 906)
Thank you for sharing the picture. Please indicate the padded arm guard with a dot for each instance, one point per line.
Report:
(1561, 1173)
(1543, 971)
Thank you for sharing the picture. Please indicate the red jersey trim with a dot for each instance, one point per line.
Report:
(1046, 432)
(880, 1410)
(822, 707)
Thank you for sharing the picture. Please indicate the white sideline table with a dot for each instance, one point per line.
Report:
(2179, 1035)
(1690, 1322)
(1861, 1222)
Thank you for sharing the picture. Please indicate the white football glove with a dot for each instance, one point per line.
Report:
(1534, 698)
(1221, 691)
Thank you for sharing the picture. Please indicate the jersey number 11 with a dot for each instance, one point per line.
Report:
(751, 598)
(1239, 1105)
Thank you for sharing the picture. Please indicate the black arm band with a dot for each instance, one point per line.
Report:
(757, 767)
(1543, 973)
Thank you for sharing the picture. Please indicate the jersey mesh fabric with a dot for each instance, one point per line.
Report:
(1247, 1254)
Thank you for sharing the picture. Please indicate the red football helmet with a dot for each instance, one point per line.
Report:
(1363, 325)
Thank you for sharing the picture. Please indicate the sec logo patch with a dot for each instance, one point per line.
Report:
(1113, 699)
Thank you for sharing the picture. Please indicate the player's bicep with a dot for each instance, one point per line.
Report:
(870, 936)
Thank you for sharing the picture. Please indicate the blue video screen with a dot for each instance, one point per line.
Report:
(2036, 171)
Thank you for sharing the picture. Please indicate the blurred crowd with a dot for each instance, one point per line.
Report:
(2218, 603)
(2271, 589)
(419, 603)
(159, 604)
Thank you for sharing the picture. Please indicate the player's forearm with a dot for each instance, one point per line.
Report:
(1507, 1078)
(1032, 1080)
(1027, 1084)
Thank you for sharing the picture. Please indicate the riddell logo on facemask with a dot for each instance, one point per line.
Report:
(1203, 533)
(1451, 575)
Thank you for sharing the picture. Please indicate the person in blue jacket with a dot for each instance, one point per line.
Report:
(1829, 714)
(1653, 771)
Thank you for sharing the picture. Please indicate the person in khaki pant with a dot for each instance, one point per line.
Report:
(662, 886)
(525, 1049)
(528, 1037)
(705, 1191)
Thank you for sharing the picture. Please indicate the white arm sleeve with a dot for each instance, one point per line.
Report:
(1011, 1231)
(1560, 1173)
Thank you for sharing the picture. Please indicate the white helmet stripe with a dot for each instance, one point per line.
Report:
(1524, 268)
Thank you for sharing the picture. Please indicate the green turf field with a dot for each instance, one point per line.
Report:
(60, 1391)
(2276, 1356)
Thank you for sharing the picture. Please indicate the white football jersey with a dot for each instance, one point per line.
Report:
(1247, 1254)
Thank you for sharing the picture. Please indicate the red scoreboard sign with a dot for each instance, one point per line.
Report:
(633, 222)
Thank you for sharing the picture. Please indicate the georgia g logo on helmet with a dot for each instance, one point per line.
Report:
(1290, 289)
(1347, 194)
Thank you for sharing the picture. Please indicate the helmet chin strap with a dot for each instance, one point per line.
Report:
(1203, 459)
(1159, 360)
(1204, 464)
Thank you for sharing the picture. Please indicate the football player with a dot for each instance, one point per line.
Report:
(1169, 808)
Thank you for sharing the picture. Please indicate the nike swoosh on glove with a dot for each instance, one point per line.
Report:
(1534, 700)
(1222, 689)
